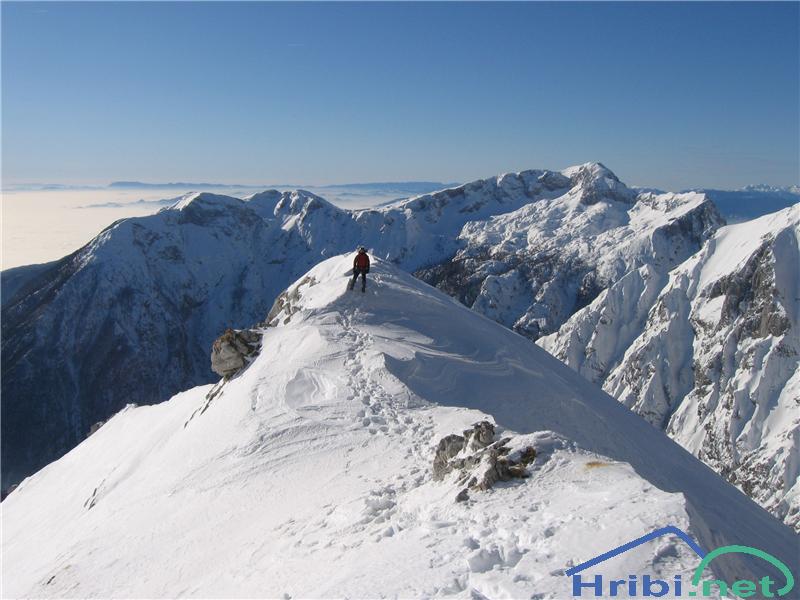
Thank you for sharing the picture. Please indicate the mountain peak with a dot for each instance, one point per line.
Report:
(272, 203)
(204, 199)
(302, 200)
(595, 182)
(596, 169)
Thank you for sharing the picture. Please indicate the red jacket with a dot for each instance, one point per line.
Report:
(361, 262)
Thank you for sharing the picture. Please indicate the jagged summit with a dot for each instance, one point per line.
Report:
(268, 204)
(596, 182)
(319, 455)
(591, 182)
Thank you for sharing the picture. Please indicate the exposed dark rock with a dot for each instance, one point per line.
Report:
(130, 316)
(127, 318)
(597, 184)
(479, 461)
(449, 446)
(458, 277)
(463, 277)
(95, 427)
(6, 492)
(527, 456)
(750, 294)
(480, 436)
(285, 304)
(589, 289)
(553, 180)
(233, 350)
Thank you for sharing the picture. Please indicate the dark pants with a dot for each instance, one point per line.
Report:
(356, 273)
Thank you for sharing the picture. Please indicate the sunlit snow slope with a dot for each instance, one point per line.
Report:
(309, 475)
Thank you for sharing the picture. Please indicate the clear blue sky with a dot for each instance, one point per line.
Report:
(669, 95)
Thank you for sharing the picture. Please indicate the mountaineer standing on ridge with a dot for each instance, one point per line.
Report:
(360, 267)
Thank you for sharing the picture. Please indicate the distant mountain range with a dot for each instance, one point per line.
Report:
(756, 192)
(139, 185)
(404, 187)
(791, 189)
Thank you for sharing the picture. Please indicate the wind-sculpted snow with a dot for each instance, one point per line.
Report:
(710, 353)
(309, 474)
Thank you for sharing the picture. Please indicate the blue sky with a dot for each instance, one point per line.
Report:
(669, 95)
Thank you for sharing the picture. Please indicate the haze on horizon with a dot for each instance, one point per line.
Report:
(672, 95)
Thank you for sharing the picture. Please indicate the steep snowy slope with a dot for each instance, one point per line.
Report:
(131, 316)
(309, 474)
(711, 353)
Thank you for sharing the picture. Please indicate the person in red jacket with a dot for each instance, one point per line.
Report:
(360, 267)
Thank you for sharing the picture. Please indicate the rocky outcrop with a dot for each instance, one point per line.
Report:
(287, 303)
(749, 295)
(234, 350)
(478, 461)
(598, 184)
(93, 429)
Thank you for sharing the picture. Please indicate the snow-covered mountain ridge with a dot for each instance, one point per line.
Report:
(711, 353)
(530, 269)
(131, 317)
(309, 475)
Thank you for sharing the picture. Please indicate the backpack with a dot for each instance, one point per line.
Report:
(362, 262)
